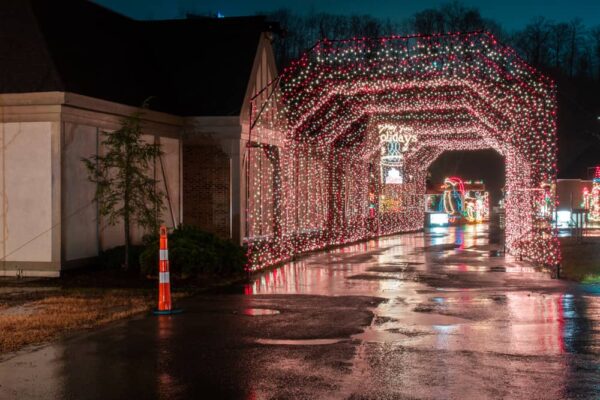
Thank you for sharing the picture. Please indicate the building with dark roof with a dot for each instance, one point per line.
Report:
(70, 70)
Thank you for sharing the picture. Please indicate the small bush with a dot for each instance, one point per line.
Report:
(192, 252)
(115, 258)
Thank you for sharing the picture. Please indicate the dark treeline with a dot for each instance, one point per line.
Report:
(568, 51)
(567, 47)
(303, 31)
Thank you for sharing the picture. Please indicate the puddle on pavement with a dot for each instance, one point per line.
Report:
(299, 342)
(368, 277)
(467, 318)
(257, 312)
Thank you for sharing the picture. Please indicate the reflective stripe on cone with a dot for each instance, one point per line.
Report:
(164, 282)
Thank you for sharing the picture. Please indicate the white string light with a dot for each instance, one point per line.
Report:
(436, 93)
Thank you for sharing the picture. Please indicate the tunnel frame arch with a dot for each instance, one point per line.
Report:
(314, 127)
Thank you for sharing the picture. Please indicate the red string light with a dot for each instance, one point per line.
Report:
(452, 92)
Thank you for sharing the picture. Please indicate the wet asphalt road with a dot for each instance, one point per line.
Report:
(427, 315)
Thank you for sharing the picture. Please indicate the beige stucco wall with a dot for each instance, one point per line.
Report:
(25, 193)
(48, 220)
(79, 226)
(171, 181)
(83, 235)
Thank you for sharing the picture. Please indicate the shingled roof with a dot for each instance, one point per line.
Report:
(192, 67)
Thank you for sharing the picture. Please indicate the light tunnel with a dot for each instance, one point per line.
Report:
(320, 139)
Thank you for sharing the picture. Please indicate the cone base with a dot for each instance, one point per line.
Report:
(167, 312)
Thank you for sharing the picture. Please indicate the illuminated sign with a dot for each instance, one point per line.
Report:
(400, 135)
(395, 140)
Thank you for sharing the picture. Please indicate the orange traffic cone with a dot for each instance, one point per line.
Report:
(164, 281)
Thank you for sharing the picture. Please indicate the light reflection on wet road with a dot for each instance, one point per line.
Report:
(456, 322)
(424, 315)
(401, 262)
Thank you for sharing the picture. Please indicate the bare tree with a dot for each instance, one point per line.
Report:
(458, 18)
(595, 44)
(389, 27)
(559, 34)
(429, 21)
(574, 41)
(563, 46)
(492, 26)
(533, 41)
(584, 62)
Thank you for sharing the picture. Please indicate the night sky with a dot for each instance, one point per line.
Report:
(512, 14)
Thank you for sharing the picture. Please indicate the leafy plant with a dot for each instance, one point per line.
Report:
(193, 251)
(124, 191)
(113, 258)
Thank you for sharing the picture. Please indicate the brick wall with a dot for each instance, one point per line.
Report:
(206, 189)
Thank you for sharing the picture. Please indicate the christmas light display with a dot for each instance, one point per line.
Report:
(393, 144)
(591, 200)
(452, 200)
(477, 207)
(476, 202)
(462, 201)
(341, 141)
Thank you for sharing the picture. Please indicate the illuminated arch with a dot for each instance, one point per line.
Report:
(463, 91)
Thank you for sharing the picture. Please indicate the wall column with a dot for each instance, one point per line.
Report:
(237, 211)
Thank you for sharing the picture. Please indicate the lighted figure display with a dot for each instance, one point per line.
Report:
(545, 200)
(390, 202)
(452, 201)
(431, 202)
(470, 212)
(476, 206)
(476, 202)
(372, 205)
(591, 200)
(465, 201)
(314, 131)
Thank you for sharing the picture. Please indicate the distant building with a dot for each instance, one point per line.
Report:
(71, 69)
(569, 193)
